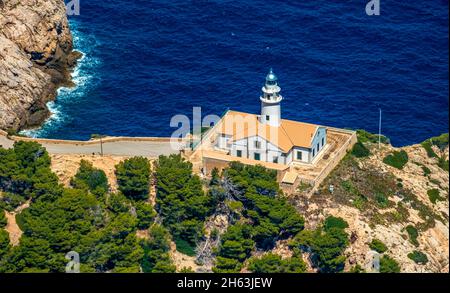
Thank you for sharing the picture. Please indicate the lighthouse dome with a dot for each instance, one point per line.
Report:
(271, 78)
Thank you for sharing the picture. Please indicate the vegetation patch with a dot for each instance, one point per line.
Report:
(156, 252)
(180, 199)
(133, 177)
(441, 142)
(334, 222)
(10, 201)
(273, 263)
(236, 246)
(389, 265)
(418, 257)
(367, 190)
(90, 178)
(259, 213)
(434, 196)
(397, 159)
(378, 246)
(426, 171)
(184, 247)
(360, 151)
(101, 227)
(365, 136)
(3, 221)
(327, 244)
(413, 234)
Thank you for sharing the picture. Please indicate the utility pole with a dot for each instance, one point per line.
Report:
(379, 131)
(101, 146)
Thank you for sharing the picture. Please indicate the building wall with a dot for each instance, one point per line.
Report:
(222, 141)
(272, 110)
(321, 133)
(306, 154)
(267, 150)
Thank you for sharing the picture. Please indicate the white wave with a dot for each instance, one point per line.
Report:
(82, 77)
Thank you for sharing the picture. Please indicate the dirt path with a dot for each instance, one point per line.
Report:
(11, 227)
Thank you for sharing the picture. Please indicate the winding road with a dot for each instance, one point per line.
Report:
(118, 147)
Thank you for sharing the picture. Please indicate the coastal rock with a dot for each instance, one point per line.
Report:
(36, 55)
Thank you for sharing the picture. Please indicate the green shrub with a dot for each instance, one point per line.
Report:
(180, 200)
(11, 201)
(326, 246)
(348, 186)
(156, 252)
(443, 163)
(133, 177)
(364, 136)
(145, 214)
(426, 171)
(360, 151)
(381, 199)
(389, 265)
(184, 247)
(360, 202)
(440, 141)
(90, 178)
(427, 145)
(418, 257)
(413, 234)
(378, 246)
(272, 263)
(3, 221)
(433, 195)
(396, 159)
(334, 222)
(4, 242)
(357, 269)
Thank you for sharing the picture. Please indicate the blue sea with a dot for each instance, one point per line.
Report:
(145, 61)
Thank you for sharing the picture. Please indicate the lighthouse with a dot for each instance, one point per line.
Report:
(270, 101)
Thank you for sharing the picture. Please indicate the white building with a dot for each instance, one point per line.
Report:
(267, 137)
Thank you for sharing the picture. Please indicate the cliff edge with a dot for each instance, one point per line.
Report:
(36, 55)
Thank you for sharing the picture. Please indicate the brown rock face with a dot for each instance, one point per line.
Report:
(36, 55)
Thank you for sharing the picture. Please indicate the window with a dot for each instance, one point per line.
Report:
(318, 147)
(299, 155)
(257, 144)
(275, 160)
(314, 152)
(257, 157)
(323, 141)
(267, 117)
(239, 153)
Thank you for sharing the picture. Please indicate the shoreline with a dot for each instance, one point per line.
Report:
(34, 63)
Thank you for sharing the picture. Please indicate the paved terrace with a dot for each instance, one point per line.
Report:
(115, 146)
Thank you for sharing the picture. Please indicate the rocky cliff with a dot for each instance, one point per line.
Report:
(36, 55)
(380, 202)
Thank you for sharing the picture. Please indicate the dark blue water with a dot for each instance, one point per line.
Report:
(149, 60)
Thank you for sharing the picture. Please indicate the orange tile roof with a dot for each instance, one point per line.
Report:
(241, 125)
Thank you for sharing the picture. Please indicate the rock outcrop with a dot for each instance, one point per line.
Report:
(36, 55)
(367, 224)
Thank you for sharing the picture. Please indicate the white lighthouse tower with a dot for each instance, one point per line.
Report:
(270, 101)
